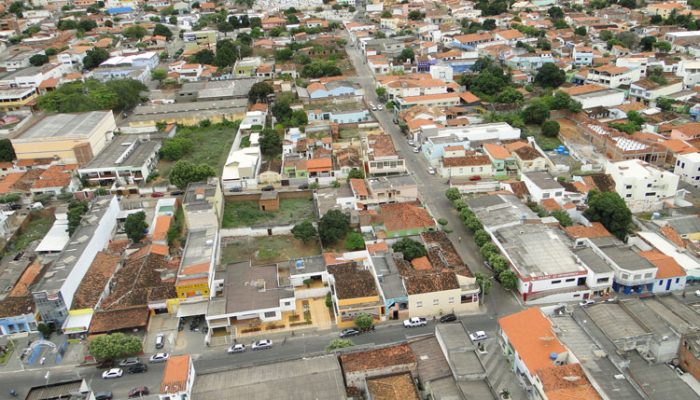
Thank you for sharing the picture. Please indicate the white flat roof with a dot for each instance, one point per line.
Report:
(77, 323)
(56, 238)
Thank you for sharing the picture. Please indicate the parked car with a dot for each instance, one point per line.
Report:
(411, 142)
(236, 348)
(236, 189)
(103, 396)
(177, 193)
(380, 107)
(138, 392)
(373, 107)
(268, 188)
(478, 336)
(349, 332)
(160, 341)
(448, 318)
(113, 373)
(157, 194)
(15, 206)
(416, 149)
(475, 178)
(431, 170)
(303, 186)
(415, 322)
(586, 303)
(262, 344)
(137, 368)
(697, 292)
(129, 361)
(159, 357)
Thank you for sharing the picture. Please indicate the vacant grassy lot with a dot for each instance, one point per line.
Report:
(211, 146)
(246, 213)
(266, 249)
(35, 230)
(544, 142)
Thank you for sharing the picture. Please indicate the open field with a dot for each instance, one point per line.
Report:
(247, 213)
(266, 249)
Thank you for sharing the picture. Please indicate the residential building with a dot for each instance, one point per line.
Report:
(203, 203)
(241, 168)
(643, 186)
(633, 272)
(688, 168)
(582, 55)
(383, 190)
(178, 378)
(333, 89)
(462, 164)
(647, 90)
(246, 67)
(670, 277)
(18, 313)
(433, 148)
(147, 60)
(475, 134)
(542, 186)
(397, 220)
(593, 95)
(125, 161)
(527, 158)
(53, 294)
(71, 138)
(612, 76)
(354, 290)
(197, 39)
(381, 157)
(502, 161)
(17, 99)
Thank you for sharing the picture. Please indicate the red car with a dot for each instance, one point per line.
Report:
(138, 392)
(157, 194)
(475, 178)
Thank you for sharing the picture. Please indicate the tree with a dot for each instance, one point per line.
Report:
(172, 20)
(483, 282)
(281, 109)
(115, 345)
(453, 194)
(159, 74)
(580, 31)
(91, 95)
(44, 330)
(94, 57)
(356, 174)
(38, 60)
(76, 210)
(7, 152)
(489, 24)
(498, 263)
(509, 95)
(647, 43)
(663, 46)
(627, 39)
(536, 112)
(270, 142)
(364, 321)
(550, 128)
(631, 4)
(409, 248)
(555, 13)
(415, 15)
(354, 241)
(563, 218)
(226, 53)
(185, 172)
(135, 32)
(336, 344)
(304, 231)
(481, 237)
(488, 249)
(175, 148)
(381, 92)
(16, 8)
(664, 103)
(407, 55)
(135, 226)
(609, 209)
(550, 76)
(204, 56)
(259, 92)
(508, 279)
(284, 54)
(87, 25)
(333, 226)
(163, 30)
(605, 35)
(472, 223)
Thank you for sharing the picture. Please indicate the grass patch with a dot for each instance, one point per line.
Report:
(247, 213)
(349, 133)
(211, 146)
(545, 143)
(5, 357)
(36, 229)
(266, 249)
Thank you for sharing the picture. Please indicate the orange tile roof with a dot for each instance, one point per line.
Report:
(421, 264)
(379, 247)
(7, 183)
(30, 273)
(469, 97)
(515, 145)
(666, 266)
(195, 269)
(403, 216)
(48, 83)
(436, 96)
(672, 235)
(567, 382)
(160, 249)
(530, 334)
(583, 89)
(550, 205)
(358, 185)
(177, 369)
(162, 225)
(596, 230)
(679, 146)
(496, 151)
(319, 164)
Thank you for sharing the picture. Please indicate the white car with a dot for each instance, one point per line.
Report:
(113, 373)
(415, 322)
(373, 107)
(411, 142)
(416, 149)
(478, 336)
(159, 357)
(380, 107)
(697, 292)
(236, 348)
(262, 344)
(431, 170)
(586, 303)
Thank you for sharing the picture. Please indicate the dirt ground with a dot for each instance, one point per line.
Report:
(570, 132)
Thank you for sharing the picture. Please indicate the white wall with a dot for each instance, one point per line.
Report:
(606, 100)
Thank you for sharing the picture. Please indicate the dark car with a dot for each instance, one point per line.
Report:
(448, 318)
(15, 206)
(177, 193)
(103, 396)
(138, 392)
(157, 194)
(304, 186)
(268, 188)
(349, 332)
(137, 368)
(236, 189)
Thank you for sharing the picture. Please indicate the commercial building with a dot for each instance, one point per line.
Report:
(199, 257)
(53, 294)
(70, 138)
(126, 161)
(643, 186)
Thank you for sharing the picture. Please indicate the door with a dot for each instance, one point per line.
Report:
(668, 284)
(395, 314)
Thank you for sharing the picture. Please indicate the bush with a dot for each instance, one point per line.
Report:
(364, 321)
(487, 250)
(550, 128)
(354, 241)
(453, 194)
(409, 248)
(481, 237)
(10, 198)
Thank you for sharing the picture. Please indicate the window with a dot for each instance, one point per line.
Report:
(625, 276)
(436, 302)
(602, 280)
(419, 304)
(628, 196)
(556, 281)
(628, 187)
(287, 303)
(648, 275)
(545, 195)
(270, 314)
(451, 300)
(678, 280)
(650, 194)
(571, 279)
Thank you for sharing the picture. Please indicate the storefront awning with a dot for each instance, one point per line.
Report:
(77, 323)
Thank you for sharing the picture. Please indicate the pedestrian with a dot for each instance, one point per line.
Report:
(460, 239)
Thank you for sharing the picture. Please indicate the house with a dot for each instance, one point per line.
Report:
(146, 60)
(687, 131)
(358, 366)
(53, 294)
(688, 168)
(380, 156)
(548, 369)
(71, 138)
(612, 76)
(178, 378)
(332, 89)
(633, 272)
(56, 179)
(475, 134)
(246, 67)
(648, 90)
(125, 161)
(339, 115)
(354, 290)
(17, 98)
(203, 203)
(429, 100)
(471, 165)
(241, 168)
(399, 220)
(18, 313)
(582, 55)
(643, 186)
(502, 161)
(593, 95)
(433, 148)
(527, 158)
(670, 277)
(542, 186)
(198, 39)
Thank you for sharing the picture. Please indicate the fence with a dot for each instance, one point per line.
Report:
(257, 232)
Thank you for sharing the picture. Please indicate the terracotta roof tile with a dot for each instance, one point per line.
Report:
(421, 263)
(379, 247)
(403, 216)
(530, 334)
(162, 225)
(95, 280)
(177, 370)
(429, 283)
(391, 387)
(394, 356)
(105, 321)
(352, 281)
(596, 230)
(496, 151)
(672, 235)
(550, 205)
(666, 266)
(469, 160)
(567, 382)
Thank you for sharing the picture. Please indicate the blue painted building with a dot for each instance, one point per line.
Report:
(338, 116)
(529, 62)
(434, 147)
(331, 89)
(17, 315)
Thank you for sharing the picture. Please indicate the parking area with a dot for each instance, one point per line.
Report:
(165, 324)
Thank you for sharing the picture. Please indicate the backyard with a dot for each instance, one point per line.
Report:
(247, 213)
(546, 143)
(36, 229)
(211, 146)
(266, 249)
